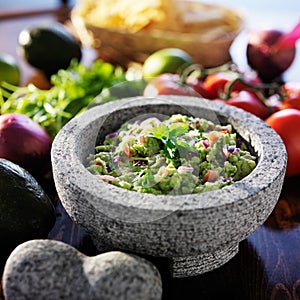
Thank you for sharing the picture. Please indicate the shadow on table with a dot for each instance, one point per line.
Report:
(243, 277)
(286, 214)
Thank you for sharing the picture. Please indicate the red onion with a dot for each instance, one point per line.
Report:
(116, 160)
(185, 169)
(108, 178)
(112, 135)
(227, 179)
(225, 152)
(271, 52)
(206, 143)
(24, 142)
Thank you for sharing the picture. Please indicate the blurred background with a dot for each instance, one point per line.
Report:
(31, 4)
(266, 13)
(258, 14)
(282, 12)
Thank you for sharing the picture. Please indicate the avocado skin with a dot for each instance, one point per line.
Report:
(49, 48)
(26, 210)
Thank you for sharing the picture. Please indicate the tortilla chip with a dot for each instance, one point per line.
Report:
(130, 15)
(166, 15)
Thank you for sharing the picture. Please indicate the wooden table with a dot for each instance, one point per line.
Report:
(268, 263)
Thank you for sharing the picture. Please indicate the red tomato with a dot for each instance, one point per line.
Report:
(291, 92)
(249, 102)
(198, 86)
(286, 123)
(274, 103)
(211, 176)
(249, 80)
(214, 84)
(168, 84)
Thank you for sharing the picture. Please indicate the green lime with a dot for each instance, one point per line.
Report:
(167, 60)
(9, 69)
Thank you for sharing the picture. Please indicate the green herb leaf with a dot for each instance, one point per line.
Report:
(171, 149)
(161, 131)
(178, 130)
(184, 144)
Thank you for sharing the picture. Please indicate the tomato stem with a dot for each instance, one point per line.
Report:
(195, 70)
(198, 71)
(272, 88)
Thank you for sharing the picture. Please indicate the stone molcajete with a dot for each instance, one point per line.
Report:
(46, 269)
(195, 232)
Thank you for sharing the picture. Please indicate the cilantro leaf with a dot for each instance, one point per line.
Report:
(171, 149)
(178, 130)
(161, 131)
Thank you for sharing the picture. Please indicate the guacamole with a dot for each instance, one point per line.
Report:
(179, 155)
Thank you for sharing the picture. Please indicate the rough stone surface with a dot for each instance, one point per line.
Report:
(47, 270)
(195, 228)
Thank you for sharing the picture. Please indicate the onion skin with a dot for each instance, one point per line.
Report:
(24, 142)
(269, 62)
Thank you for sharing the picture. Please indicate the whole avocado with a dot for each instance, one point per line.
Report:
(26, 210)
(49, 48)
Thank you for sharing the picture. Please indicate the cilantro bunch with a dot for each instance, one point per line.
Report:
(71, 92)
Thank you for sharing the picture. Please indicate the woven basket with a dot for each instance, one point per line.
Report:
(122, 47)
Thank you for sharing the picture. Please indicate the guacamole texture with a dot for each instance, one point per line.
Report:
(179, 155)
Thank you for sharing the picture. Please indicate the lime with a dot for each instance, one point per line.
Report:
(167, 60)
(9, 69)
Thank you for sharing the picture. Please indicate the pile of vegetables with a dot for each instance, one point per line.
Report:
(277, 103)
(259, 90)
(31, 117)
(71, 92)
(78, 88)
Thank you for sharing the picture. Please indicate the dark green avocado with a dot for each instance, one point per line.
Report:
(26, 212)
(49, 48)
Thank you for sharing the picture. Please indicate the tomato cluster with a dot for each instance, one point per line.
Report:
(277, 103)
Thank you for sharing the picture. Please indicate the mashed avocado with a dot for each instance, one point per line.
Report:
(179, 155)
